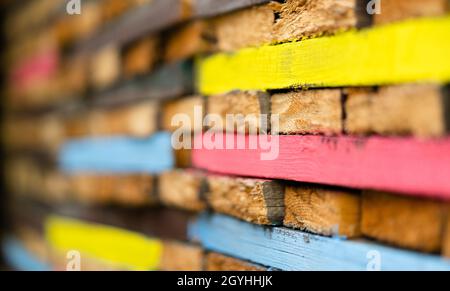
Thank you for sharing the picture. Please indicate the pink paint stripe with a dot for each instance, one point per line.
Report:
(403, 165)
(41, 66)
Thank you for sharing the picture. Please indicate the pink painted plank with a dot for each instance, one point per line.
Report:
(403, 165)
(41, 66)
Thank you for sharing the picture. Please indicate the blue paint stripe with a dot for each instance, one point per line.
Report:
(118, 154)
(21, 259)
(289, 249)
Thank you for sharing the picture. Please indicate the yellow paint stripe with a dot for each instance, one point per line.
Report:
(410, 51)
(118, 247)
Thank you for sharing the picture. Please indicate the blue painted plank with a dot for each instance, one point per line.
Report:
(289, 249)
(118, 154)
(17, 257)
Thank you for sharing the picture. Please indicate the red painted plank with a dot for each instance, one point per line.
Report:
(403, 165)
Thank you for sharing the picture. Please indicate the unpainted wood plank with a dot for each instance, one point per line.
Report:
(418, 110)
(322, 210)
(184, 114)
(188, 40)
(310, 111)
(220, 262)
(180, 256)
(396, 10)
(140, 57)
(105, 67)
(124, 190)
(406, 222)
(446, 240)
(182, 189)
(253, 200)
(252, 106)
(137, 119)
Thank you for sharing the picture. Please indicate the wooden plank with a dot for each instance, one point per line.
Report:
(325, 211)
(123, 190)
(287, 21)
(256, 201)
(252, 106)
(188, 40)
(310, 111)
(395, 10)
(118, 154)
(288, 249)
(141, 56)
(446, 239)
(420, 110)
(182, 189)
(179, 256)
(219, 262)
(89, 239)
(169, 81)
(404, 165)
(336, 61)
(19, 258)
(139, 21)
(105, 67)
(189, 108)
(403, 221)
(208, 8)
(136, 120)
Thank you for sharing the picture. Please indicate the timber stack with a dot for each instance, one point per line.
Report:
(227, 135)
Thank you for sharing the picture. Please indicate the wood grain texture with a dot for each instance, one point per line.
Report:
(179, 256)
(192, 110)
(137, 120)
(418, 110)
(141, 56)
(395, 10)
(220, 262)
(182, 189)
(310, 111)
(337, 60)
(124, 190)
(256, 201)
(404, 165)
(288, 249)
(118, 154)
(252, 106)
(323, 211)
(403, 221)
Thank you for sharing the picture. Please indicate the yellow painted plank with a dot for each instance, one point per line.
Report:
(121, 248)
(410, 51)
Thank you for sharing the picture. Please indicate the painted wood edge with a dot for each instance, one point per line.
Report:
(288, 249)
(243, 70)
(220, 262)
(94, 155)
(19, 258)
(104, 242)
(403, 165)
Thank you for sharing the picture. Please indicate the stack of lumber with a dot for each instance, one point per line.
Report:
(315, 135)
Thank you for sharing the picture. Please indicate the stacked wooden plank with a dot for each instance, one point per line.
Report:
(229, 135)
